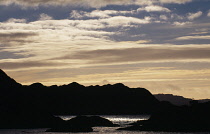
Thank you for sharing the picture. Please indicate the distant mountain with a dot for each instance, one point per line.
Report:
(203, 100)
(176, 100)
(6, 81)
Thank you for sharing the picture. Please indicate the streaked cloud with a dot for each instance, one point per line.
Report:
(181, 23)
(207, 37)
(13, 20)
(175, 1)
(97, 13)
(92, 3)
(28, 64)
(16, 37)
(143, 54)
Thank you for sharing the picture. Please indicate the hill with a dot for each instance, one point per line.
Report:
(75, 98)
(7, 82)
(176, 100)
(33, 106)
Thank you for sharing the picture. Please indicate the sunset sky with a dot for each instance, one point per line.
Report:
(161, 45)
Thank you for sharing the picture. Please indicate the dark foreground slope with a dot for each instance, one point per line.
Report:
(170, 118)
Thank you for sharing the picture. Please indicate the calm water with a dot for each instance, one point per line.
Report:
(122, 120)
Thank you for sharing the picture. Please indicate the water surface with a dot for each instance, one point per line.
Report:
(122, 120)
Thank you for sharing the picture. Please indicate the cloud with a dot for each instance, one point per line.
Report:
(52, 28)
(13, 20)
(152, 54)
(97, 13)
(32, 40)
(208, 14)
(173, 87)
(177, 17)
(27, 64)
(91, 31)
(77, 14)
(196, 37)
(154, 8)
(163, 17)
(192, 16)
(16, 37)
(17, 34)
(92, 3)
(175, 1)
(105, 82)
(125, 21)
(45, 17)
(181, 23)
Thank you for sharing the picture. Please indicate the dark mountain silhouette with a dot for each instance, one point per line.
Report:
(19, 103)
(33, 106)
(36, 85)
(78, 99)
(176, 100)
(6, 82)
(203, 100)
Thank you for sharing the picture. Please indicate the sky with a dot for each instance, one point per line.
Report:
(160, 45)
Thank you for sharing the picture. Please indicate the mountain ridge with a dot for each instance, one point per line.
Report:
(7, 82)
(33, 106)
(177, 100)
(75, 98)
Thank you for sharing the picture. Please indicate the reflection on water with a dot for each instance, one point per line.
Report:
(118, 119)
(122, 120)
(125, 119)
(99, 130)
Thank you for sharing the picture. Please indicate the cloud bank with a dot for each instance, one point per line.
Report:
(89, 3)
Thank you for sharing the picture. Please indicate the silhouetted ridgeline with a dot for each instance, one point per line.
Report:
(33, 106)
(6, 82)
(177, 100)
(75, 98)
